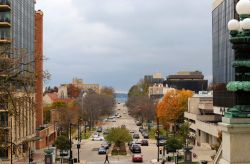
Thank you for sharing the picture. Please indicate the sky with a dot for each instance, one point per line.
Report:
(116, 42)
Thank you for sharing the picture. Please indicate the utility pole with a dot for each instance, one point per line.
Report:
(11, 146)
(70, 153)
(79, 141)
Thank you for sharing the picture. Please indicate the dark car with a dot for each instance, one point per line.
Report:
(106, 132)
(145, 135)
(138, 123)
(135, 148)
(144, 142)
(136, 136)
(102, 150)
(141, 129)
(99, 129)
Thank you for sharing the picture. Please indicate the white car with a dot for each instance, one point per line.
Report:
(100, 138)
(96, 135)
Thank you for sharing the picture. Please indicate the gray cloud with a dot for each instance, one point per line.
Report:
(116, 42)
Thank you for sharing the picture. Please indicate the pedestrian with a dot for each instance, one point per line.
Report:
(106, 159)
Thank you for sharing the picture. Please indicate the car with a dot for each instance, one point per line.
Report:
(135, 148)
(96, 135)
(131, 131)
(137, 158)
(141, 129)
(130, 143)
(144, 142)
(138, 141)
(136, 136)
(99, 129)
(106, 145)
(138, 123)
(102, 150)
(145, 135)
(162, 142)
(124, 112)
(100, 138)
(105, 132)
(113, 120)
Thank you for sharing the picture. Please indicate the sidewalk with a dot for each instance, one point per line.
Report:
(203, 154)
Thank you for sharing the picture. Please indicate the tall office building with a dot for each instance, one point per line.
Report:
(17, 117)
(223, 72)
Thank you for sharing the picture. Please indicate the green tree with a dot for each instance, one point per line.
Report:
(118, 136)
(62, 143)
(173, 144)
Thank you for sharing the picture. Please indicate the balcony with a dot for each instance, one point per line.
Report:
(5, 5)
(5, 40)
(5, 22)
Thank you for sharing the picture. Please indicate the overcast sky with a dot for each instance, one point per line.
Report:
(116, 42)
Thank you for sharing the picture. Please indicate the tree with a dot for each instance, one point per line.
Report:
(141, 107)
(173, 144)
(62, 143)
(94, 106)
(73, 91)
(17, 88)
(108, 91)
(118, 136)
(173, 105)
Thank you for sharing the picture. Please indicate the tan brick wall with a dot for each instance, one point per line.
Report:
(39, 66)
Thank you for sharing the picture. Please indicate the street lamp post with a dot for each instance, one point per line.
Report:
(79, 141)
(158, 136)
(70, 141)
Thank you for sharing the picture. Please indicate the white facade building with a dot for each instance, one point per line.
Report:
(203, 121)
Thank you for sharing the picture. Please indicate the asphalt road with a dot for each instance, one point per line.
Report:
(89, 149)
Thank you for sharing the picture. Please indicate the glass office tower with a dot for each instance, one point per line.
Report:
(223, 72)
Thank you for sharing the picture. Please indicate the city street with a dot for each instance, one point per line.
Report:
(89, 149)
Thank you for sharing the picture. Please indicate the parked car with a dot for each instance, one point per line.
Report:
(96, 135)
(99, 129)
(137, 158)
(144, 142)
(138, 123)
(106, 145)
(136, 136)
(135, 148)
(100, 138)
(106, 131)
(102, 150)
(131, 131)
(145, 135)
(137, 141)
(130, 143)
(161, 143)
(141, 129)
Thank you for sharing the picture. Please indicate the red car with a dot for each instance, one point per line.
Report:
(137, 158)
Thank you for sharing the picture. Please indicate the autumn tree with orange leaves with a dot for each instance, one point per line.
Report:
(172, 107)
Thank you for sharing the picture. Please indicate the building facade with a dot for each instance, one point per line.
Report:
(157, 91)
(223, 72)
(17, 109)
(193, 81)
(39, 67)
(203, 121)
